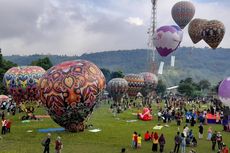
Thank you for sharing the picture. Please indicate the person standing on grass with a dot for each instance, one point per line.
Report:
(139, 141)
(183, 143)
(209, 133)
(58, 145)
(213, 139)
(219, 140)
(177, 140)
(4, 126)
(201, 131)
(155, 142)
(133, 139)
(162, 143)
(47, 144)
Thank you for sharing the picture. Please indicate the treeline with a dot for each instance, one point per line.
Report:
(197, 63)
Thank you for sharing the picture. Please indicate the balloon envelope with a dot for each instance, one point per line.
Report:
(182, 13)
(69, 91)
(135, 82)
(213, 33)
(117, 87)
(179, 32)
(224, 92)
(195, 29)
(166, 40)
(21, 82)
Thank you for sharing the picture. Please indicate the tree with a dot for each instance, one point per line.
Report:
(117, 74)
(161, 88)
(107, 74)
(204, 84)
(189, 88)
(4, 66)
(45, 63)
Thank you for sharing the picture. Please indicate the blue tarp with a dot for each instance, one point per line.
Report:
(51, 130)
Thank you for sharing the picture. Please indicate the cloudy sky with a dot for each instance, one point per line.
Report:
(74, 27)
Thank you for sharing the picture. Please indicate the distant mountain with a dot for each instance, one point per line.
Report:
(198, 63)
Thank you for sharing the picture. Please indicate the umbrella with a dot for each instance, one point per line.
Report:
(3, 98)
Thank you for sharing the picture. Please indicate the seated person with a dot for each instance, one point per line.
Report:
(194, 142)
(147, 136)
(188, 141)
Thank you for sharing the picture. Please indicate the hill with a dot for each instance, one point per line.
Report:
(198, 63)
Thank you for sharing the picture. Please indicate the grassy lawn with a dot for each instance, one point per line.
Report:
(116, 133)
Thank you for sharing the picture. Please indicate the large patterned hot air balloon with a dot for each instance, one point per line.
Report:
(182, 13)
(213, 33)
(117, 87)
(135, 82)
(166, 40)
(21, 82)
(195, 29)
(69, 91)
(224, 92)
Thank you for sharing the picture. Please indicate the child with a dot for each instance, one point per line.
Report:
(139, 141)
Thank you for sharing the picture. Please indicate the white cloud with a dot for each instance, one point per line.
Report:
(135, 21)
(79, 26)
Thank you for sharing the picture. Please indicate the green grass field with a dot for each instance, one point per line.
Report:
(116, 133)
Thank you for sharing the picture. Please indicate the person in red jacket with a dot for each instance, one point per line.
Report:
(8, 125)
(147, 136)
(224, 149)
(58, 145)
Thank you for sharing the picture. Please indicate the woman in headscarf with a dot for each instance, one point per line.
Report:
(155, 142)
(162, 143)
(209, 133)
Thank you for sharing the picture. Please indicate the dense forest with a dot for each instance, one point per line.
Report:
(197, 63)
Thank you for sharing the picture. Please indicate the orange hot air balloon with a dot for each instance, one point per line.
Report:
(195, 29)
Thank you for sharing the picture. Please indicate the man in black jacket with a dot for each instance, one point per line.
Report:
(47, 144)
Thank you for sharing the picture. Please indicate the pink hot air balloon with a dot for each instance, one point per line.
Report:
(224, 92)
(166, 40)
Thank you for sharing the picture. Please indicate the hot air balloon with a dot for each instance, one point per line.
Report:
(166, 40)
(213, 33)
(117, 87)
(150, 83)
(69, 91)
(21, 82)
(195, 29)
(182, 13)
(224, 92)
(135, 82)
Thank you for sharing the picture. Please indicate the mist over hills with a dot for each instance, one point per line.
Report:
(198, 63)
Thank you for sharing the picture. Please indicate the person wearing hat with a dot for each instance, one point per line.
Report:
(58, 145)
(224, 149)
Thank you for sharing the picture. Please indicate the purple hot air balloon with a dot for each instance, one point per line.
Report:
(166, 40)
(224, 92)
